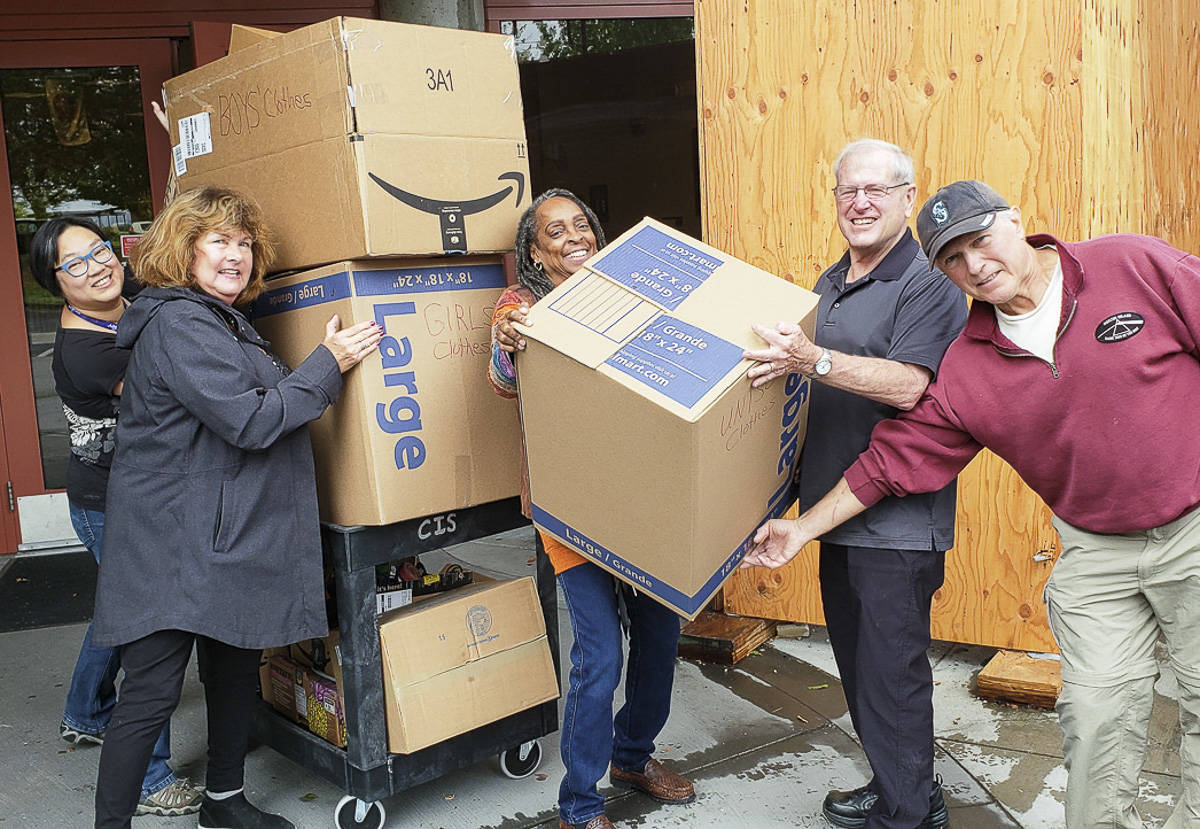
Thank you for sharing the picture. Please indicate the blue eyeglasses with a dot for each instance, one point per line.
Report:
(77, 266)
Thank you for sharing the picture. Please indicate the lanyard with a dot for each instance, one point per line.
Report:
(109, 324)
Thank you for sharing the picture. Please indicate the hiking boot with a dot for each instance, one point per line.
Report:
(176, 798)
(238, 813)
(76, 737)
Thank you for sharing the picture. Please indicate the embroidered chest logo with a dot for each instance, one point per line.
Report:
(1119, 327)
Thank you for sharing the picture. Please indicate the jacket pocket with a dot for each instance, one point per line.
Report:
(225, 513)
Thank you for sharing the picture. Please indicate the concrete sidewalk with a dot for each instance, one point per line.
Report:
(763, 740)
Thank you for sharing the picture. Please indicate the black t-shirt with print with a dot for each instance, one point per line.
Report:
(87, 365)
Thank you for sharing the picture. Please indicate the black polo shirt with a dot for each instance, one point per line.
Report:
(902, 311)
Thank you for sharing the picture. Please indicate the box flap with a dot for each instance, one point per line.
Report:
(432, 80)
(665, 315)
(242, 36)
(280, 92)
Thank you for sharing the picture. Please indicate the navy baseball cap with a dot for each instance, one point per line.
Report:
(954, 210)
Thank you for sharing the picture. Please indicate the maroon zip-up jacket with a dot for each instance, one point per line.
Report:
(1107, 433)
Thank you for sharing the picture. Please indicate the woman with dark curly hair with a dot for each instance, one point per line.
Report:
(212, 534)
(556, 234)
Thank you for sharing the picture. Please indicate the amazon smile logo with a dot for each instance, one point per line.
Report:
(451, 213)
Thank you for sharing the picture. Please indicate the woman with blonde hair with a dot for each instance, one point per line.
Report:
(212, 535)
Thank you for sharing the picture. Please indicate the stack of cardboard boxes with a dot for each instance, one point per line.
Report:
(389, 161)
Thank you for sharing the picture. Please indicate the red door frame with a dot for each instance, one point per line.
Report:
(19, 440)
(497, 11)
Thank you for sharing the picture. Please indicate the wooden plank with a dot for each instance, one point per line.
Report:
(715, 637)
(1014, 676)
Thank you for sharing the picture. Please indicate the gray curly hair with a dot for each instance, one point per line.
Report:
(529, 275)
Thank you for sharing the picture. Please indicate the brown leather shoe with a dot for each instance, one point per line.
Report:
(655, 780)
(598, 822)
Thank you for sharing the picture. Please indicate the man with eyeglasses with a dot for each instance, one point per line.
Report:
(1080, 366)
(883, 323)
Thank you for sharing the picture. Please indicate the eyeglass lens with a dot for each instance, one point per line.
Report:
(78, 266)
(874, 192)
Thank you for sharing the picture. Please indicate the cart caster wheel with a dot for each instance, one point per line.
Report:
(352, 813)
(521, 761)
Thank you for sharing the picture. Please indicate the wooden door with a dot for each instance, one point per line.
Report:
(76, 136)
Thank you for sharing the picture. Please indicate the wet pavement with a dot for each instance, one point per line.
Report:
(764, 741)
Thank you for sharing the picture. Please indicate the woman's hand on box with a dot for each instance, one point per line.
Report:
(507, 337)
(350, 346)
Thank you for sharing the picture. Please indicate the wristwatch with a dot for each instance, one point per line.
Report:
(824, 364)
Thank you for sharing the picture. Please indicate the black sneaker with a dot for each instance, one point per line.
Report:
(75, 736)
(238, 813)
(849, 809)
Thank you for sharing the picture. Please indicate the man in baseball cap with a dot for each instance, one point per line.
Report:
(1073, 353)
(958, 208)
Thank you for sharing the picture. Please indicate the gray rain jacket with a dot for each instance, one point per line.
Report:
(211, 523)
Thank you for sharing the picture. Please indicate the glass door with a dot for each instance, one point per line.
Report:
(76, 139)
(610, 114)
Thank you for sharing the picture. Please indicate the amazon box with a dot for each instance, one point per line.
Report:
(282, 684)
(417, 429)
(648, 451)
(463, 660)
(361, 137)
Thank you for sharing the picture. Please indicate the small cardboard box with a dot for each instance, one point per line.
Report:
(648, 450)
(361, 137)
(417, 430)
(462, 660)
(319, 662)
(282, 683)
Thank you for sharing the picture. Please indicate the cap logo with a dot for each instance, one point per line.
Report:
(939, 213)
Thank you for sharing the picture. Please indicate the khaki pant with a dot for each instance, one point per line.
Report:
(1109, 598)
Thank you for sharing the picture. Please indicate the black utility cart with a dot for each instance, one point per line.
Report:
(364, 769)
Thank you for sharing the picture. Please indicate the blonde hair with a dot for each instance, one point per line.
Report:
(165, 254)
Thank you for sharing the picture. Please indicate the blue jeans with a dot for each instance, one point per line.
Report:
(591, 737)
(92, 695)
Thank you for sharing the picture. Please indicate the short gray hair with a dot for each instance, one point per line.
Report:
(903, 161)
(528, 275)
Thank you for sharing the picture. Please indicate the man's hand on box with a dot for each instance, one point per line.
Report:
(507, 337)
(775, 544)
(788, 351)
(350, 346)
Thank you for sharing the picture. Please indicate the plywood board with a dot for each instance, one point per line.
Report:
(1074, 110)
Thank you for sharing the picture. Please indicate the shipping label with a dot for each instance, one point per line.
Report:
(658, 267)
(195, 138)
(677, 359)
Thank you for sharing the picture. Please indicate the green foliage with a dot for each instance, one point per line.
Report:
(76, 134)
(547, 40)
